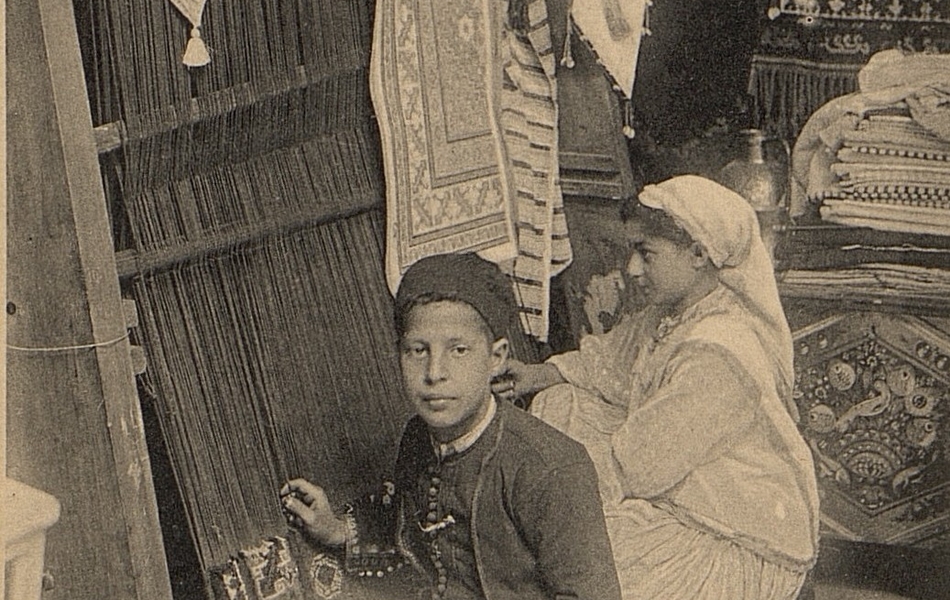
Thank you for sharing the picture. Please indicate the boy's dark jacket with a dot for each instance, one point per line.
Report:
(537, 522)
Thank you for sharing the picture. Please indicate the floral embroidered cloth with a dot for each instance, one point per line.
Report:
(467, 111)
(432, 78)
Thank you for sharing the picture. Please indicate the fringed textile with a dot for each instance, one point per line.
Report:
(811, 52)
(432, 84)
(785, 91)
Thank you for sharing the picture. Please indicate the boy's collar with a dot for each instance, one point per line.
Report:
(466, 441)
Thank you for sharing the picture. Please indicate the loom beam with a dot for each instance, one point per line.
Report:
(74, 423)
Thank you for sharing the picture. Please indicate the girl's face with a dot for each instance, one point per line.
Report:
(664, 270)
(448, 361)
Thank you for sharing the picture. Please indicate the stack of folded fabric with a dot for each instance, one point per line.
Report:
(882, 283)
(893, 174)
(880, 157)
(810, 51)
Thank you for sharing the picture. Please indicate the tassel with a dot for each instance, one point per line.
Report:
(646, 19)
(628, 118)
(567, 57)
(196, 53)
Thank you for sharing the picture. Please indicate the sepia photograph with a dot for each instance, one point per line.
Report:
(475, 300)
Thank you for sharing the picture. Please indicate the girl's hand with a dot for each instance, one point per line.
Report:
(525, 379)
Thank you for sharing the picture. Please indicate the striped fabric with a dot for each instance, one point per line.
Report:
(529, 115)
(933, 219)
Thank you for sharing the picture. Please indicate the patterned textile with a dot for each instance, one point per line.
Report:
(894, 282)
(898, 11)
(467, 112)
(289, 567)
(874, 390)
(887, 217)
(889, 174)
(810, 51)
(529, 116)
(445, 189)
(614, 29)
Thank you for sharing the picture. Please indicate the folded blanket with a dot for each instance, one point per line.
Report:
(896, 130)
(887, 217)
(891, 155)
(903, 109)
(890, 174)
(878, 278)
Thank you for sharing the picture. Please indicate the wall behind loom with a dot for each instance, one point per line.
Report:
(246, 200)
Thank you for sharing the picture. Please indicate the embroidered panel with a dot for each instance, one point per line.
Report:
(445, 191)
(877, 10)
(810, 51)
(848, 42)
(873, 393)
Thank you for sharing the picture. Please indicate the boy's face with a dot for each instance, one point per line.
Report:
(448, 361)
(664, 270)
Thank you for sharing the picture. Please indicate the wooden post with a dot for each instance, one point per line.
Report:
(74, 427)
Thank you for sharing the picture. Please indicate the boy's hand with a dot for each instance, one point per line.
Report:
(525, 379)
(307, 508)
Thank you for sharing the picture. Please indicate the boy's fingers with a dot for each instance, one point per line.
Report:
(291, 486)
(305, 488)
(500, 387)
(294, 520)
(295, 507)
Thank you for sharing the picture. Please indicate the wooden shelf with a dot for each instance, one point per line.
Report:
(828, 246)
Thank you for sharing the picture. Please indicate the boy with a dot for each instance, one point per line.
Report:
(488, 502)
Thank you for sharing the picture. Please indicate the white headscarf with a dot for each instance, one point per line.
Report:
(725, 224)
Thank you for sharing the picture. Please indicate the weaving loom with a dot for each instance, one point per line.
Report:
(245, 198)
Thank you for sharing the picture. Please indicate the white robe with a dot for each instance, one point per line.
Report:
(708, 489)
